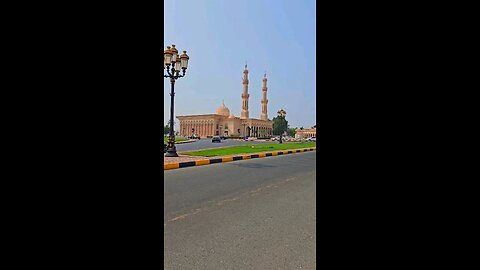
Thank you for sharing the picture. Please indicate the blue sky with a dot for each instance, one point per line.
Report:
(278, 36)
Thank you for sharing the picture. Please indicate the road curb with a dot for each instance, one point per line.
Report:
(179, 165)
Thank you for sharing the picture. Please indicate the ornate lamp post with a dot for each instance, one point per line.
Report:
(171, 57)
(281, 113)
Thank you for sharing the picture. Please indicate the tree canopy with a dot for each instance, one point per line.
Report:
(291, 132)
(280, 125)
(166, 128)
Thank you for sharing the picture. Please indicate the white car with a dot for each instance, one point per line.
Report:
(312, 139)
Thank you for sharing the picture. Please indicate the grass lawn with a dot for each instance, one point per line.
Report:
(177, 139)
(252, 148)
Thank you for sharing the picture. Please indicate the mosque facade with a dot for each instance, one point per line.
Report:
(222, 122)
(305, 133)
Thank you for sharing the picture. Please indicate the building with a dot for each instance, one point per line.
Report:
(305, 133)
(222, 122)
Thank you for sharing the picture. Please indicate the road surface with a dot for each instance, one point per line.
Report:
(251, 214)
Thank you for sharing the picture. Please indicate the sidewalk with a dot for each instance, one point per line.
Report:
(181, 158)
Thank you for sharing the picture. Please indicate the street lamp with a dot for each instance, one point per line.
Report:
(281, 113)
(171, 57)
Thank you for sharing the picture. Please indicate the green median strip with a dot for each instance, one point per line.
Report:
(251, 148)
(165, 139)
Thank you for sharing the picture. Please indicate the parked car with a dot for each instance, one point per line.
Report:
(223, 137)
(195, 137)
(312, 139)
(216, 139)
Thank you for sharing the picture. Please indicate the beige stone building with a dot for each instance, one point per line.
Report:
(305, 133)
(222, 122)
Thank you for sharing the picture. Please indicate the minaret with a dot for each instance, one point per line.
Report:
(245, 95)
(264, 115)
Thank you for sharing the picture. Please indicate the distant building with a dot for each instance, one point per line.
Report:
(305, 133)
(222, 122)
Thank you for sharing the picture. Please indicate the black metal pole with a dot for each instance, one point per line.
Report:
(281, 129)
(171, 151)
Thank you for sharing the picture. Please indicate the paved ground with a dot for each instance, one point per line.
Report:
(181, 158)
(207, 143)
(251, 214)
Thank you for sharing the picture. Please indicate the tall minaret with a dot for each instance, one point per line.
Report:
(245, 94)
(264, 115)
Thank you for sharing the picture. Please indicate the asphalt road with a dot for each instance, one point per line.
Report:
(207, 143)
(251, 214)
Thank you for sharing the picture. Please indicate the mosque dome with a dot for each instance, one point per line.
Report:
(223, 110)
(231, 116)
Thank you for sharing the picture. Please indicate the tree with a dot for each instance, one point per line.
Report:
(280, 125)
(166, 128)
(291, 132)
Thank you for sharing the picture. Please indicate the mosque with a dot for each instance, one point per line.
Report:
(222, 122)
